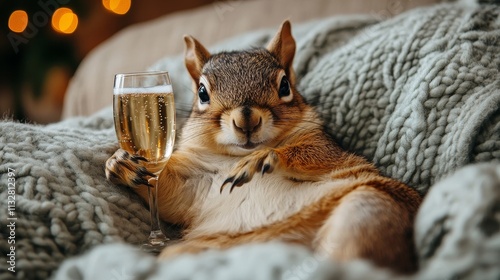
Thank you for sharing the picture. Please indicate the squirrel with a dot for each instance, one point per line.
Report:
(254, 164)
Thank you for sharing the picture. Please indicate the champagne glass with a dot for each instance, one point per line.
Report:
(144, 115)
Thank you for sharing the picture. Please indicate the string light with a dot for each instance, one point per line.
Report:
(18, 21)
(64, 21)
(119, 7)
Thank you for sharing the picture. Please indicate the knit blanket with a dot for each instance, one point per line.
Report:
(418, 94)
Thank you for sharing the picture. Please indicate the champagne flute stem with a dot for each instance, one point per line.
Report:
(156, 236)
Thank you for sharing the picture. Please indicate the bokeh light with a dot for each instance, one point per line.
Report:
(18, 21)
(106, 3)
(64, 21)
(120, 7)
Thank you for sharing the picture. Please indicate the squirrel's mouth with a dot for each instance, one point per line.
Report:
(249, 145)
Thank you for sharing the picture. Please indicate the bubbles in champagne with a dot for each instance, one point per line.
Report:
(147, 121)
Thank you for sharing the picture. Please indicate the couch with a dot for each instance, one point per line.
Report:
(417, 93)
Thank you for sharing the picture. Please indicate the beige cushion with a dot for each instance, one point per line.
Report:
(139, 46)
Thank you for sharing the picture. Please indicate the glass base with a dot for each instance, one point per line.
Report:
(156, 242)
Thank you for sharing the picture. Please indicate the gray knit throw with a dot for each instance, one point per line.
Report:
(418, 94)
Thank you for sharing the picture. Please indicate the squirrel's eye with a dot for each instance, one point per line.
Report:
(203, 94)
(284, 87)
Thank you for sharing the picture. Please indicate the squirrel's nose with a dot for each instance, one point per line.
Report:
(246, 121)
(247, 127)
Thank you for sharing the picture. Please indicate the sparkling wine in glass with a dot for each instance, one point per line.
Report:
(144, 115)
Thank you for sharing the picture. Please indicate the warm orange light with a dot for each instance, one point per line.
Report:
(120, 7)
(18, 21)
(64, 21)
(105, 3)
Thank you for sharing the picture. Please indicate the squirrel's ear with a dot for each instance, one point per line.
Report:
(195, 56)
(283, 47)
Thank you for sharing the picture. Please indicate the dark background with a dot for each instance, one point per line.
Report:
(37, 64)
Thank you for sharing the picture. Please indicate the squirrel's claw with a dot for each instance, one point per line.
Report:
(228, 180)
(232, 187)
(136, 159)
(142, 181)
(143, 172)
(124, 169)
(266, 168)
(236, 182)
(269, 163)
(263, 161)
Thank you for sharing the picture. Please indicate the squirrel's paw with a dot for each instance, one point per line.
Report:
(126, 170)
(263, 161)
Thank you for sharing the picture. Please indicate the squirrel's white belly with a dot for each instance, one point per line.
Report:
(264, 200)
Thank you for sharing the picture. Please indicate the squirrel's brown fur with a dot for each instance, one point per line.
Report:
(294, 184)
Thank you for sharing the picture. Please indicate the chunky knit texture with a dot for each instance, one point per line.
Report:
(418, 94)
(64, 205)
